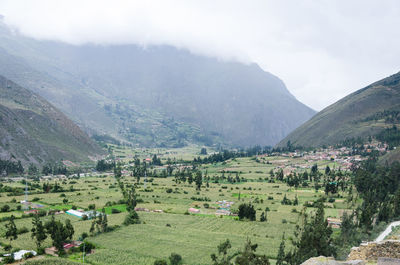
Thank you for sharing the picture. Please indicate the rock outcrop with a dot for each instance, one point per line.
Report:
(373, 250)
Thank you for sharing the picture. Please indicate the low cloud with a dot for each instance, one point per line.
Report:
(322, 50)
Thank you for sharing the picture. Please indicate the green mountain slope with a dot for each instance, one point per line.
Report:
(365, 112)
(158, 96)
(33, 131)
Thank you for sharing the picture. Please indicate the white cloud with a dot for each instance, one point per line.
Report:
(322, 50)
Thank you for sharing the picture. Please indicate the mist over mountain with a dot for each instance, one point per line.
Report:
(154, 96)
(34, 131)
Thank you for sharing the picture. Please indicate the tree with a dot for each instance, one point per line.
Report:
(59, 232)
(203, 151)
(175, 259)
(223, 258)
(263, 217)
(117, 171)
(396, 203)
(69, 229)
(11, 229)
(296, 200)
(104, 223)
(246, 211)
(38, 231)
(248, 256)
(132, 217)
(327, 170)
(313, 239)
(198, 180)
(314, 169)
(280, 260)
(33, 170)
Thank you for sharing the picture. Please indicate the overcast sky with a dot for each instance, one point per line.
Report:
(322, 50)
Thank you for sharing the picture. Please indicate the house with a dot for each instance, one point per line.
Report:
(67, 246)
(80, 214)
(20, 254)
(193, 210)
(334, 222)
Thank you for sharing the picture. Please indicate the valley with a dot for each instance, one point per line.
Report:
(172, 209)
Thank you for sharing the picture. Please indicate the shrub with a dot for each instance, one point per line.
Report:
(206, 205)
(88, 247)
(114, 210)
(8, 259)
(5, 208)
(160, 262)
(92, 206)
(175, 259)
(28, 255)
(40, 251)
(7, 247)
(85, 217)
(169, 190)
(246, 211)
(84, 235)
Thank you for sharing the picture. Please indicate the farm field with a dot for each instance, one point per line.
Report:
(172, 229)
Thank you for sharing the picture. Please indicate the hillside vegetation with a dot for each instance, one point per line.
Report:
(366, 112)
(34, 131)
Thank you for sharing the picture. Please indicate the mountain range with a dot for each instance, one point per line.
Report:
(154, 96)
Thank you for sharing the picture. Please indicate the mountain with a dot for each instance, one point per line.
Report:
(366, 112)
(34, 131)
(154, 96)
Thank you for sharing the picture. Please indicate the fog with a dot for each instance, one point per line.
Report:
(322, 50)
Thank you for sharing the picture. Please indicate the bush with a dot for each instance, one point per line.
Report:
(84, 235)
(169, 190)
(160, 262)
(88, 247)
(28, 255)
(331, 200)
(206, 205)
(132, 218)
(8, 259)
(40, 251)
(175, 259)
(92, 206)
(36, 199)
(246, 211)
(85, 217)
(5, 208)
(114, 210)
(7, 247)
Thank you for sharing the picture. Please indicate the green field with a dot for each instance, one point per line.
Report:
(193, 236)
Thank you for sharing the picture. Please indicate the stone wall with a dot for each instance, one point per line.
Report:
(372, 250)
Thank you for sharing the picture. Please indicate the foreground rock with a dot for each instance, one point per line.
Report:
(375, 250)
(321, 260)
